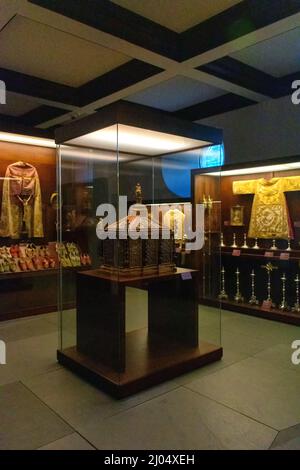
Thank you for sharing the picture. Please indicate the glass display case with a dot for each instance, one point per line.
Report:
(137, 321)
(259, 240)
(28, 204)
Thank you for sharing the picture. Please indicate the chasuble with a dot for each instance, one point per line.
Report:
(21, 202)
(270, 215)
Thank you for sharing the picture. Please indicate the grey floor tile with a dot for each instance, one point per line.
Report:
(31, 356)
(25, 328)
(71, 442)
(229, 357)
(179, 419)
(241, 343)
(292, 444)
(288, 439)
(270, 331)
(7, 375)
(78, 402)
(257, 389)
(279, 356)
(26, 423)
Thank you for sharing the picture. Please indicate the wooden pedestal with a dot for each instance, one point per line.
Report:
(123, 363)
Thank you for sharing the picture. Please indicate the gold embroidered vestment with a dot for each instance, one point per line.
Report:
(21, 202)
(269, 216)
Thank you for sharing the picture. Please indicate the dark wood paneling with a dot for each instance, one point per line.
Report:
(101, 320)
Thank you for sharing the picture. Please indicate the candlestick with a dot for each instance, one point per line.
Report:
(238, 297)
(296, 307)
(274, 247)
(234, 245)
(245, 242)
(289, 245)
(253, 299)
(269, 267)
(283, 304)
(222, 244)
(223, 295)
(256, 247)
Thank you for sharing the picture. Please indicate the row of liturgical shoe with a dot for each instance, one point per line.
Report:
(69, 256)
(25, 257)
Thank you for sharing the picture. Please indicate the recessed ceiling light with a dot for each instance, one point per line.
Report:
(257, 169)
(26, 140)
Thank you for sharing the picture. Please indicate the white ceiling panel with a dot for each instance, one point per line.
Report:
(16, 105)
(177, 15)
(278, 56)
(176, 93)
(45, 52)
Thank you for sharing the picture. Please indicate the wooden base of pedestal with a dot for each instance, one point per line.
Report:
(147, 364)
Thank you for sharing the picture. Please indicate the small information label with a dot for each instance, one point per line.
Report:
(186, 276)
(284, 256)
(267, 305)
(236, 253)
(269, 254)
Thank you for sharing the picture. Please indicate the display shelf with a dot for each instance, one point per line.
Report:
(28, 274)
(260, 253)
(257, 311)
(34, 292)
(39, 272)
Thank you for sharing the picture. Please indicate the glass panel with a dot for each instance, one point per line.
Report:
(199, 198)
(88, 178)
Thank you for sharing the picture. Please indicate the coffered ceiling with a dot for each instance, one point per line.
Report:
(177, 15)
(61, 60)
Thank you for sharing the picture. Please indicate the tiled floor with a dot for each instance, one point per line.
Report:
(249, 400)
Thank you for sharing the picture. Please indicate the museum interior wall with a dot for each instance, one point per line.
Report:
(259, 132)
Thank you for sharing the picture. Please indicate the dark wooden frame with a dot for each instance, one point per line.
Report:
(140, 116)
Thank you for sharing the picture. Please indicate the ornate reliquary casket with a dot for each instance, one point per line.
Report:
(153, 252)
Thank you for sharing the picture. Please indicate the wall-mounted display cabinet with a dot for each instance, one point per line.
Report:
(30, 256)
(28, 261)
(259, 238)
